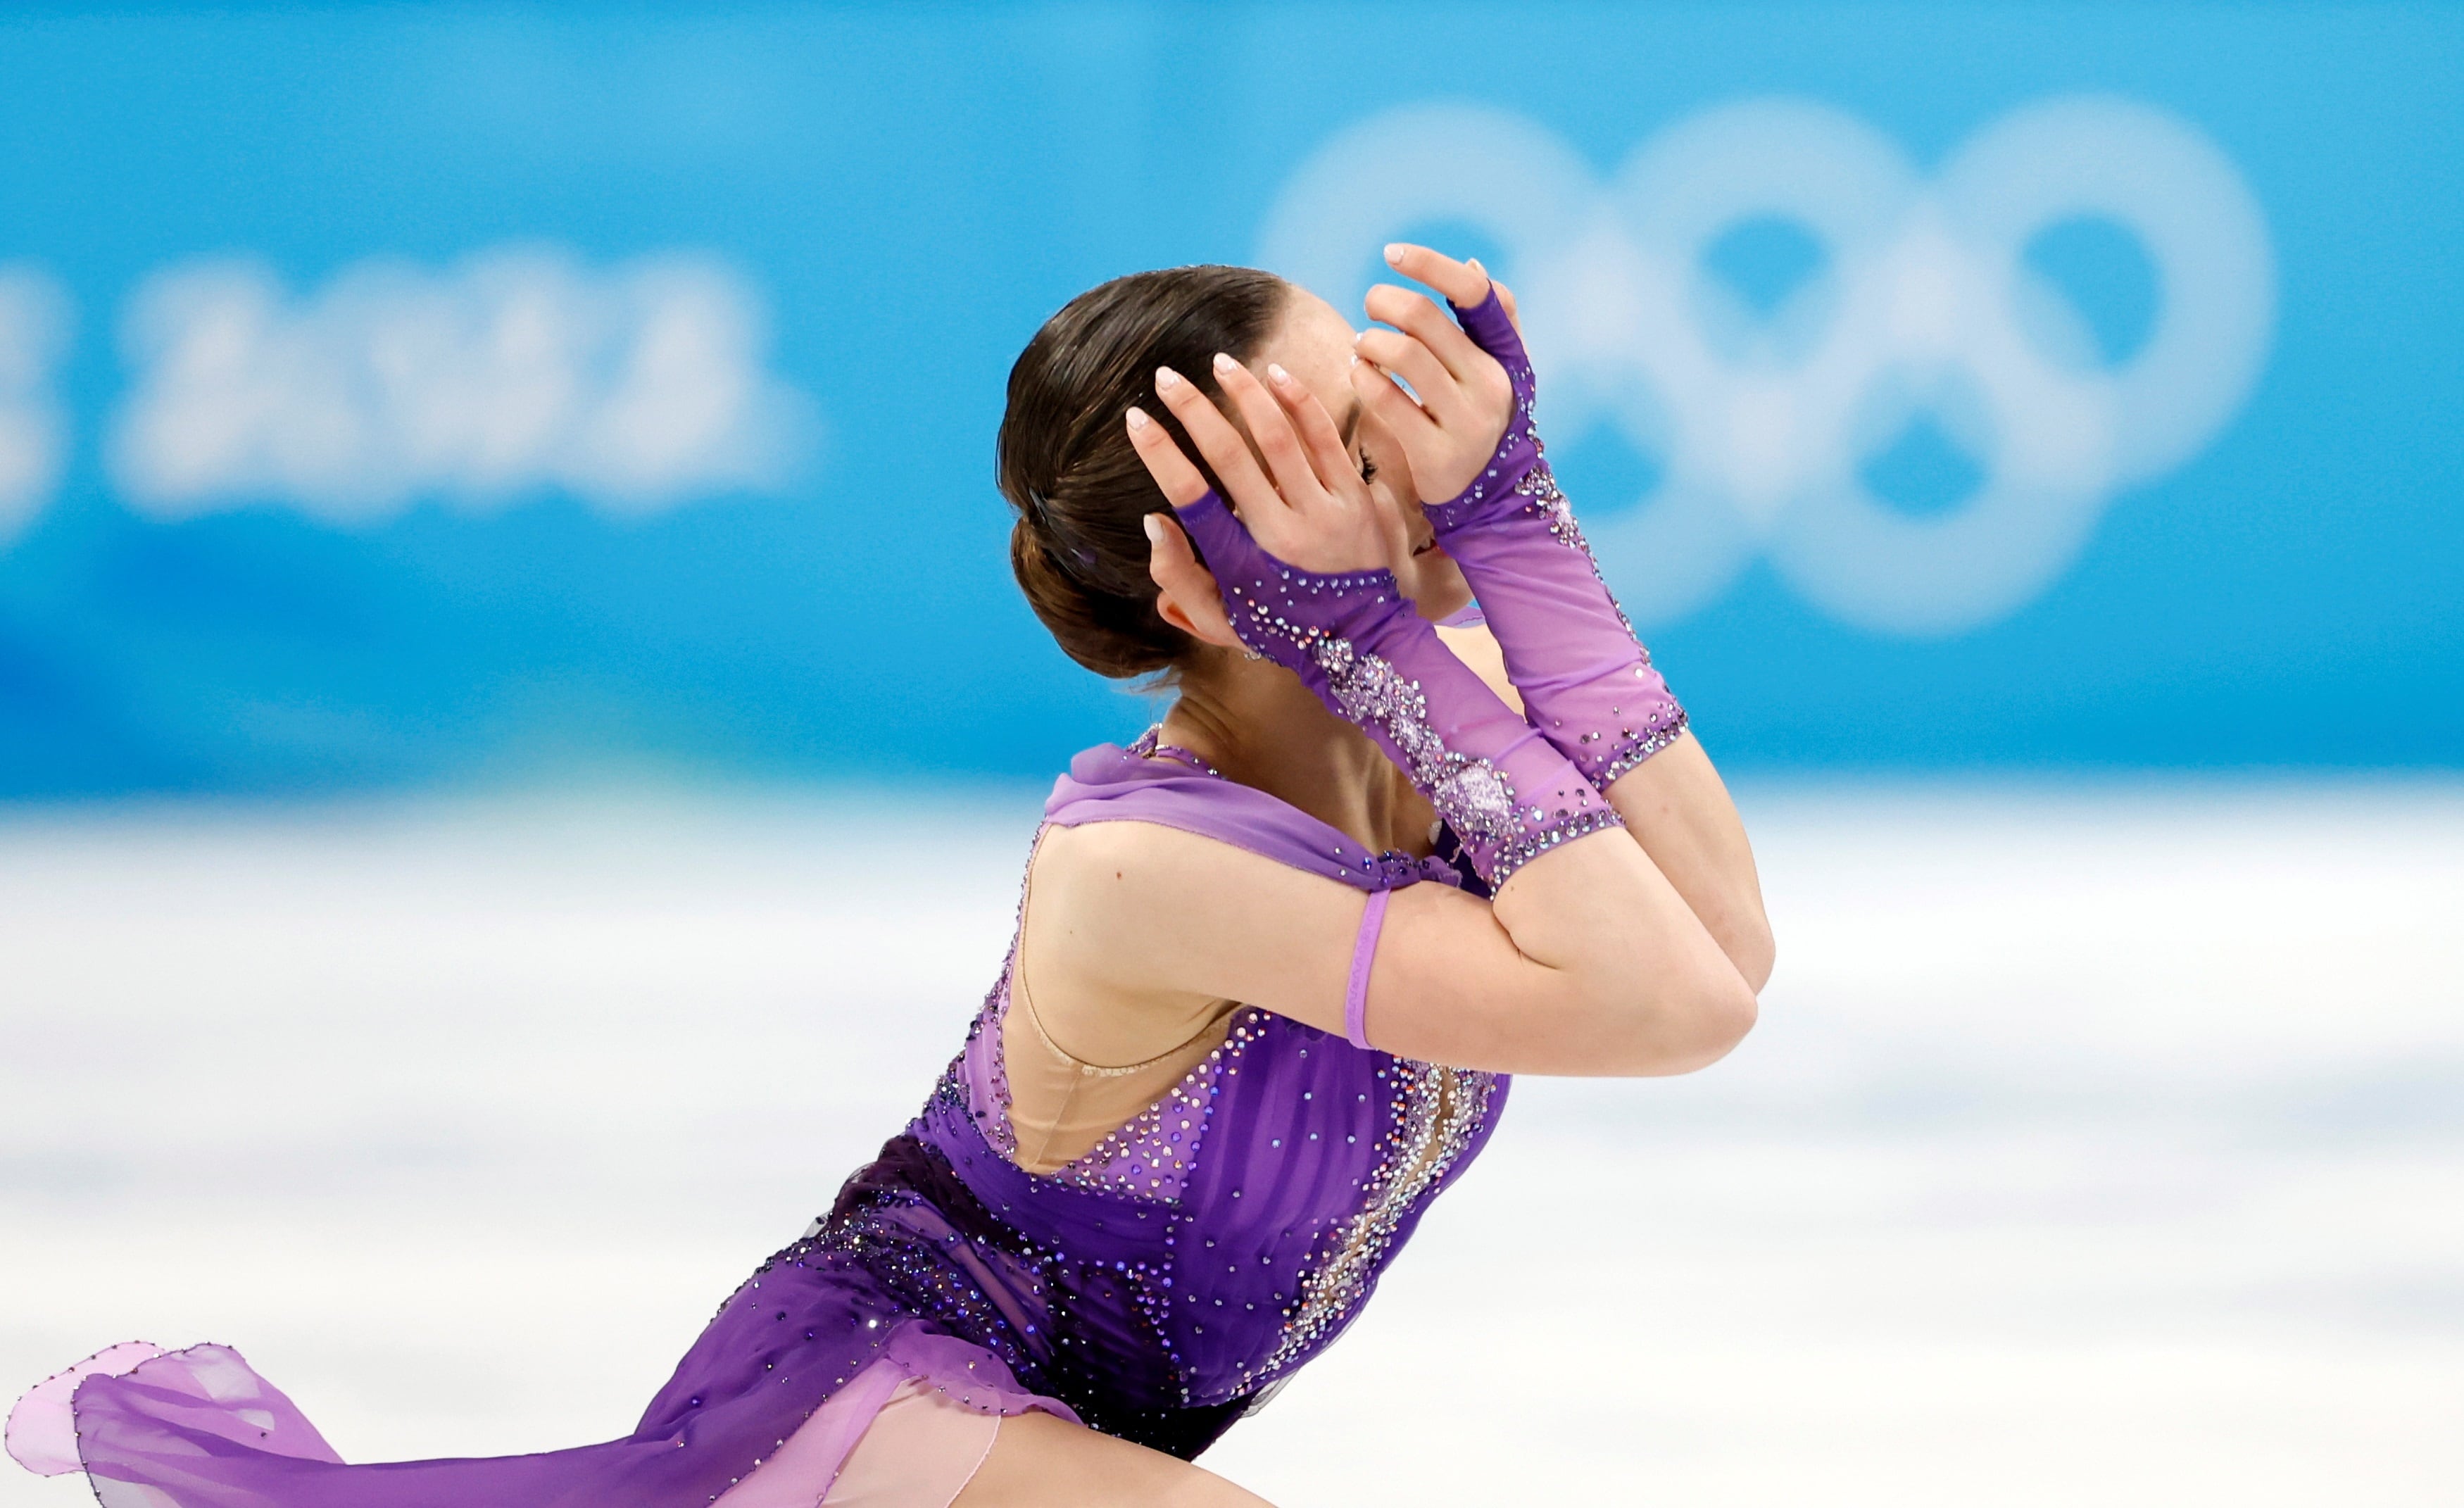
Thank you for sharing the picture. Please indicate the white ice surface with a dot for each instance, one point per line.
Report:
(2096, 1148)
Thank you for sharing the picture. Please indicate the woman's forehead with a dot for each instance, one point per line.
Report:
(1307, 316)
(1311, 339)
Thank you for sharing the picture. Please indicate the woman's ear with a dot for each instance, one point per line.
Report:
(1186, 595)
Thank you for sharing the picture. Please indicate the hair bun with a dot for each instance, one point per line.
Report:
(1064, 459)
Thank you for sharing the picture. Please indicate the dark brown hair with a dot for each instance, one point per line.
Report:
(1064, 459)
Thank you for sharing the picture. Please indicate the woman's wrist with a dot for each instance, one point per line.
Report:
(1284, 612)
(1364, 650)
(1499, 490)
(1587, 683)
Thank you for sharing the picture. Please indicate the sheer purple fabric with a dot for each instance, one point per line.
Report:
(1355, 640)
(1158, 1312)
(1246, 1231)
(1586, 681)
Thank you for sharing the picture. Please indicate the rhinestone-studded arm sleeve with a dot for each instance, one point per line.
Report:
(1586, 682)
(1357, 641)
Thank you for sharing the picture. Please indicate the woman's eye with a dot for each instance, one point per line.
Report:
(1368, 467)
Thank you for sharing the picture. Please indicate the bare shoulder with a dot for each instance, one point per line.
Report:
(1090, 846)
(1133, 873)
(1139, 907)
(1135, 927)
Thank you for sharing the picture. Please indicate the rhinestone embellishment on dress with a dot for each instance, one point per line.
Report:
(1436, 1114)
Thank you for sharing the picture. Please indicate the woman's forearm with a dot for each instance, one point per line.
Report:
(1623, 977)
(1676, 807)
(1584, 679)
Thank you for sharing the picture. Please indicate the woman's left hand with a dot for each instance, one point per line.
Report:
(1305, 505)
(1466, 397)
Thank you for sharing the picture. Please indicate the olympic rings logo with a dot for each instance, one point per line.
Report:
(1926, 306)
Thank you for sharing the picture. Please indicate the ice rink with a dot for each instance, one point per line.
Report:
(2098, 1147)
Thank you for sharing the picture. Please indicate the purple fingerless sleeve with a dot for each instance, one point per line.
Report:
(1355, 640)
(1586, 682)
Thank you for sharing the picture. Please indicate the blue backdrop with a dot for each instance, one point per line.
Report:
(402, 395)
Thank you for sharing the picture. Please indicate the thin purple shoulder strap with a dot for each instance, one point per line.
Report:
(1364, 954)
(1112, 784)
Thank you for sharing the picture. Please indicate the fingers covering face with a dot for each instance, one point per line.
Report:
(1440, 391)
(1249, 494)
(1296, 480)
(1405, 420)
(1419, 316)
(1318, 435)
(1463, 283)
(1175, 475)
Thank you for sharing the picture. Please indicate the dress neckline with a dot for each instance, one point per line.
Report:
(1149, 762)
(1150, 745)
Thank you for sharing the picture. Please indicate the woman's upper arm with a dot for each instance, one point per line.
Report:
(1135, 910)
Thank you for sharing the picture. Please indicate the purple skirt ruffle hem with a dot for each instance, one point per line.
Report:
(155, 1429)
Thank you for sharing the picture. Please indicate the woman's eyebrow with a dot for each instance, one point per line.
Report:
(1350, 422)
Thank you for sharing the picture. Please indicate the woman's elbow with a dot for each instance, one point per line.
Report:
(1751, 953)
(1721, 1015)
(1678, 1031)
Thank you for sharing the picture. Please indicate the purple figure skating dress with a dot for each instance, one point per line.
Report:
(1159, 1286)
(1156, 1288)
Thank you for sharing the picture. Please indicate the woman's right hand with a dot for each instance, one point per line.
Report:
(1306, 506)
(1461, 406)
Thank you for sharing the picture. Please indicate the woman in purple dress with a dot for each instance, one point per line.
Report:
(1274, 964)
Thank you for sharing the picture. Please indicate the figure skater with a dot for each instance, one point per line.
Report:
(1274, 960)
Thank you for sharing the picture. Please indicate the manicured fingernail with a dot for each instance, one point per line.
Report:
(1474, 264)
(1395, 255)
(1276, 375)
(1154, 529)
(1138, 419)
(1225, 365)
(1166, 378)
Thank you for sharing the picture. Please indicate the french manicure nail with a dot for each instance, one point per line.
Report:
(1154, 529)
(1166, 378)
(1225, 365)
(1276, 375)
(1395, 255)
(1138, 419)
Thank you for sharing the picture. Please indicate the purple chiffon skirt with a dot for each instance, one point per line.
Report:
(887, 1278)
